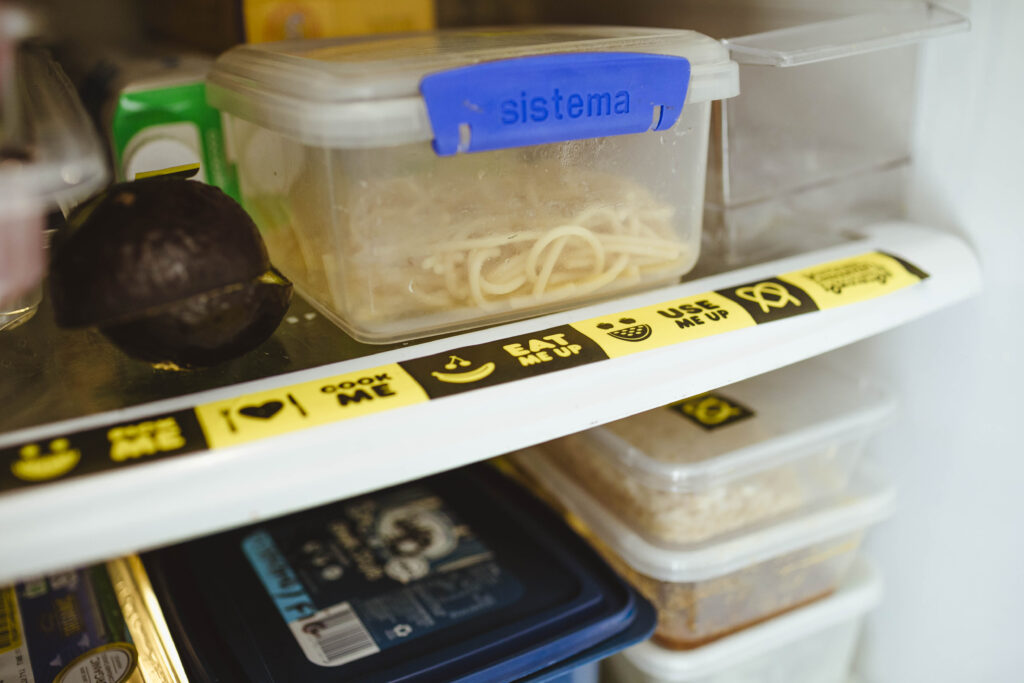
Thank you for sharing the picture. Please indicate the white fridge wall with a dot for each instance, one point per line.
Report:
(952, 556)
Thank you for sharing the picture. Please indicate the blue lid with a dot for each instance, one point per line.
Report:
(460, 577)
(644, 621)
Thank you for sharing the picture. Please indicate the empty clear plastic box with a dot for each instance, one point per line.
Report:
(820, 142)
(428, 183)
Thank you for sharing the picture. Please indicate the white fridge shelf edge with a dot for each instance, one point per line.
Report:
(93, 517)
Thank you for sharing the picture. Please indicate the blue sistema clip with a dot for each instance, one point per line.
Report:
(553, 98)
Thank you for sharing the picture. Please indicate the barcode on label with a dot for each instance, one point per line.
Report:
(334, 636)
(10, 634)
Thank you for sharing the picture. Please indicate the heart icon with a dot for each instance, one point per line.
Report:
(264, 411)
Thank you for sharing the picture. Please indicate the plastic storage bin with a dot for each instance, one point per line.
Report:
(736, 457)
(820, 141)
(736, 580)
(428, 183)
(814, 644)
(459, 577)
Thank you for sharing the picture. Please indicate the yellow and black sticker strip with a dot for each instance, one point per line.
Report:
(282, 410)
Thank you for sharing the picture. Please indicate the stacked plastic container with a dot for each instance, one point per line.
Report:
(458, 577)
(814, 644)
(728, 508)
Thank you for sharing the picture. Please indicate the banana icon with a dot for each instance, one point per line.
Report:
(463, 377)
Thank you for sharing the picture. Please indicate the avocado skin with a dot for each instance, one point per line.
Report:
(207, 328)
(148, 243)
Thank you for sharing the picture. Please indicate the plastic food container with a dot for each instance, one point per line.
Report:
(719, 586)
(458, 577)
(429, 183)
(820, 142)
(729, 459)
(50, 158)
(814, 644)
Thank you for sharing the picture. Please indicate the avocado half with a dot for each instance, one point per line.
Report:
(170, 270)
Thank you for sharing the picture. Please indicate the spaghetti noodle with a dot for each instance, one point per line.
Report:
(514, 240)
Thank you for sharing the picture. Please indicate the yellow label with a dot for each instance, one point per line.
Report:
(287, 409)
(271, 20)
(672, 322)
(851, 280)
(10, 622)
(186, 170)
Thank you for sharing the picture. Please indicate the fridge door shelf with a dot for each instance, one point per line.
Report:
(103, 455)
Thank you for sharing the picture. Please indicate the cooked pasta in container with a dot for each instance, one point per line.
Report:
(428, 183)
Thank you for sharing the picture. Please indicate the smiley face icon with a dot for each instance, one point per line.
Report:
(462, 375)
(632, 332)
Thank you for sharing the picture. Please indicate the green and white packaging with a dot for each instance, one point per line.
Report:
(158, 119)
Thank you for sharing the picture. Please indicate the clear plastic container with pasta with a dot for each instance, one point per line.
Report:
(422, 184)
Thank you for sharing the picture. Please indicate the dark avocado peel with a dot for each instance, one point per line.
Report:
(170, 270)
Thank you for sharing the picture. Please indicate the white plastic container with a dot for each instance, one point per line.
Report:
(419, 184)
(716, 587)
(729, 459)
(814, 644)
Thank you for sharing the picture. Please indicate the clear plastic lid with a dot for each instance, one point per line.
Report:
(867, 500)
(890, 25)
(743, 428)
(61, 161)
(860, 592)
(363, 92)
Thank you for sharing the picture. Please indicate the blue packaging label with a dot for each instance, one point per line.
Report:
(553, 98)
(64, 628)
(384, 569)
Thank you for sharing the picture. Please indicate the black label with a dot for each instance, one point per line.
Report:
(100, 449)
(770, 299)
(711, 411)
(505, 360)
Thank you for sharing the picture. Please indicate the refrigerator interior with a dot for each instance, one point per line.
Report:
(951, 552)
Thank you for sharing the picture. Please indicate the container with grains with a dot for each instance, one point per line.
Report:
(682, 497)
(717, 587)
(729, 459)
